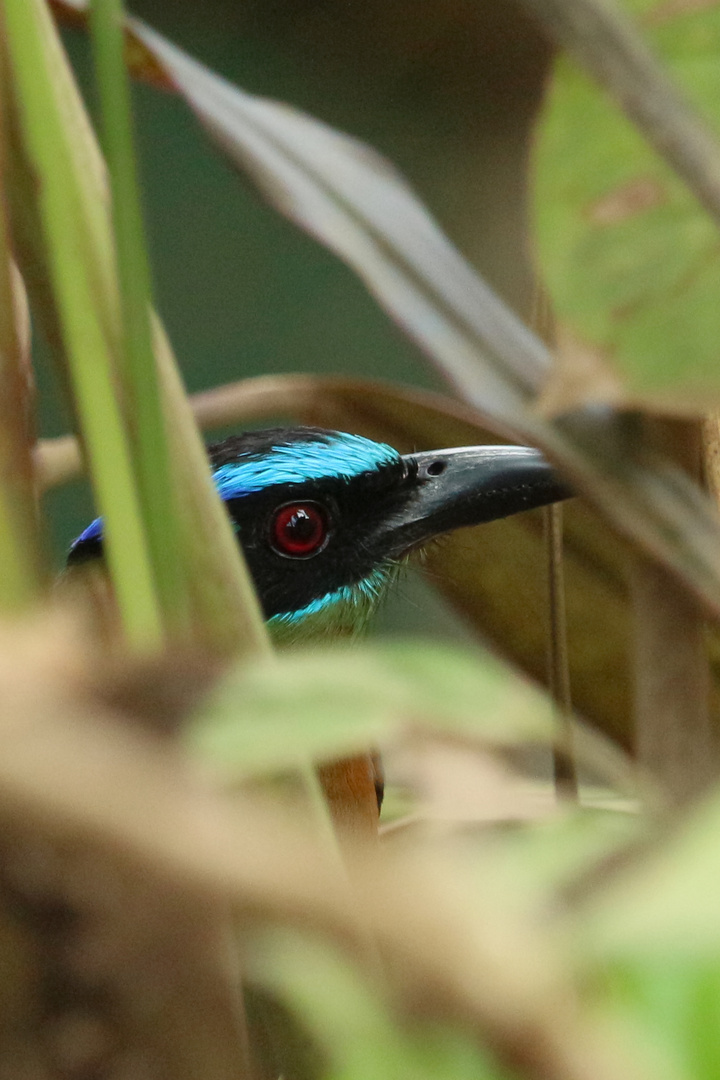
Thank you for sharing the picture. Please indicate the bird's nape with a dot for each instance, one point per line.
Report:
(326, 519)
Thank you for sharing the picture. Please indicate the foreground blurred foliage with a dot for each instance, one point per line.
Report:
(175, 901)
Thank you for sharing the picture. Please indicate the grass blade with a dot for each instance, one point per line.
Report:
(226, 612)
(23, 575)
(82, 284)
(146, 421)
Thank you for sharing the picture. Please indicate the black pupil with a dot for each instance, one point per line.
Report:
(301, 528)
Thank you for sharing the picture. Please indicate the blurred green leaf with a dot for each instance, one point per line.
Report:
(531, 868)
(649, 942)
(674, 1006)
(666, 902)
(354, 1026)
(324, 704)
(629, 255)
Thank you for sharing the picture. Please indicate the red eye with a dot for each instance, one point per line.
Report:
(299, 530)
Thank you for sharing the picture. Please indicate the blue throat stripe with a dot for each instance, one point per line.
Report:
(344, 610)
(366, 592)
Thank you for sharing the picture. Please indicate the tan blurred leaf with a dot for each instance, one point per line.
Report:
(137, 842)
(458, 788)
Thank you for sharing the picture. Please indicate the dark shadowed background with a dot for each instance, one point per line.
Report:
(446, 89)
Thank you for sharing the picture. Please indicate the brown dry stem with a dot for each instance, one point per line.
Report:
(711, 455)
(565, 769)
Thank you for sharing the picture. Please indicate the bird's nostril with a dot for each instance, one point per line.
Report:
(436, 467)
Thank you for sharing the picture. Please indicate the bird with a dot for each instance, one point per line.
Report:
(328, 519)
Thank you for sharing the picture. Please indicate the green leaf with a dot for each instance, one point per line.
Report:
(136, 359)
(674, 1005)
(327, 703)
(353, 1025)
(225, 607)
(629, 255)
(78, 252)
(23, 574)
(665, 904)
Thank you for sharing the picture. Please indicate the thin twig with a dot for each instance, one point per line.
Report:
(608, 46)
(59, 460)
(566, 778)
(558, 667)
(711, 455)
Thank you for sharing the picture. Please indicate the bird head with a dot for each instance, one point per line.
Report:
(327, 519)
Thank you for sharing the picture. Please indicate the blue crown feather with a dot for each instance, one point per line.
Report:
(93, 532)
(341, 456)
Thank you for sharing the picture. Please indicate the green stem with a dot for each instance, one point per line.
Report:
(76, 250)
(144, 411)
(21, 573)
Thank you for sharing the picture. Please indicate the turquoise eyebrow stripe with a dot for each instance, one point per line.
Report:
(342, 457)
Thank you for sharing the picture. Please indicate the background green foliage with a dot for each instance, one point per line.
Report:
(627, 251)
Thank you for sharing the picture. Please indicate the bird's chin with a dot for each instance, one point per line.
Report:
(342, 614)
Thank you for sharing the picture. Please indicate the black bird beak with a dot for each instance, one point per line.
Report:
(469, 486)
